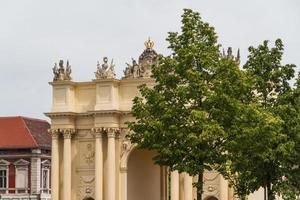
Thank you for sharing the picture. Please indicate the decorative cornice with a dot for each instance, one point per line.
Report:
(60, 114)
(104, 112)
(85, 114)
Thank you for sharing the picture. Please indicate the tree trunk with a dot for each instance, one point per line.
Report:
(200, 185)
(265, 193)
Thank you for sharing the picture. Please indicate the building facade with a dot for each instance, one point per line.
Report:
(91, 156)
(25, 159)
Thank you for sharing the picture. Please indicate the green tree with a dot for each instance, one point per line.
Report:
(184, 117)
(288, 108)
(258, 157)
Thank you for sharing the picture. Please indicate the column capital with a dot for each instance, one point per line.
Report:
(68, 132)
(97, 132)
(112, 132)
(54, 132)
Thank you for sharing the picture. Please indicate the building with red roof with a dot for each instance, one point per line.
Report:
(25, 158)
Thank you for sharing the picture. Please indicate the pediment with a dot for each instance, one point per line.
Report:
(21, 162)
(46, 163)
(4, 162)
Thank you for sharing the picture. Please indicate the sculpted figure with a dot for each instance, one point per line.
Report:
(133, 70)
(128, 71)
(136, 69)
(55, 72)
(61, 73)
(105, 70)
(105, 65)
(68, 72)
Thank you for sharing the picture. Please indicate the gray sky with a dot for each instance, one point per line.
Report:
(35, 34)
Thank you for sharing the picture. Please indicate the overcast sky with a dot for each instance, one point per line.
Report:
(34, 34)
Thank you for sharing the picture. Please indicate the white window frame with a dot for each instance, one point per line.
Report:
(45, 167)
(4, 165)
(47, 180)
(21, 165)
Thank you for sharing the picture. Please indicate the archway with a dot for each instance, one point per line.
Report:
(88, 198)
(144, 178)
(211, 198)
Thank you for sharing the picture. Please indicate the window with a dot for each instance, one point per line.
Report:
(21, 178)
(45, 176)
(3, 178)
(45, 179)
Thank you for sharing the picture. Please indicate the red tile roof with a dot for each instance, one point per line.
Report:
(23, 133)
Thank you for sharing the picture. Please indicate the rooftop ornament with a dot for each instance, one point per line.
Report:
(105, 70)
(62, 73)
(142, 68)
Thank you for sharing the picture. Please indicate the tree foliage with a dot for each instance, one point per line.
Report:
(262, 155)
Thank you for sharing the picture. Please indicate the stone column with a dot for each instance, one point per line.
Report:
(188, 187)
(111, 164)
(54, 164)
(174, 185)
(67, 133)
(97, 132)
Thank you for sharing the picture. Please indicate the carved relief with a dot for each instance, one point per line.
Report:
(62, 73)
(89, 156)
(86, 187)
(86, 158)
(126, 148)
(211, 186)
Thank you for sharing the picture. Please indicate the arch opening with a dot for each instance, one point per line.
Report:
(88, 198)
(143, 176)
(211, 198)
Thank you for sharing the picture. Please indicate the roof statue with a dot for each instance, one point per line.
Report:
(62, 73)
(147, 60)
(105, 70)
(231, 56)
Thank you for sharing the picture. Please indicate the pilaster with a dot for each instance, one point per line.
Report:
(35, 173)
(174, 185)
(98, 134)
(55, 164)
(67, 186)
(112, 133)
(188, 187)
